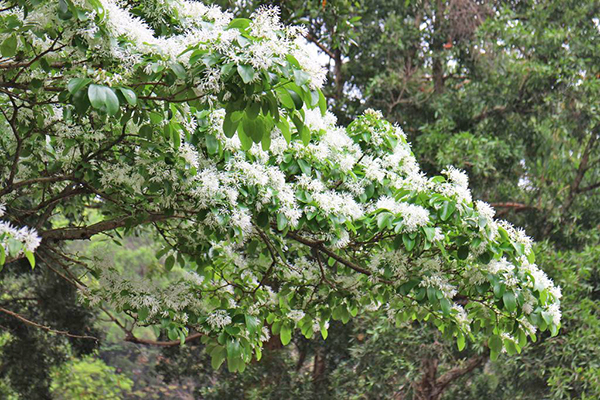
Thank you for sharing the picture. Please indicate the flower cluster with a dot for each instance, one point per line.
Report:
(15, 242)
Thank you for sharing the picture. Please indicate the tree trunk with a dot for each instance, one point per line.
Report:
(431, 388)
(437, 47)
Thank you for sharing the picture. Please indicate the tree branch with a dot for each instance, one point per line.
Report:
(170, 343)
(588, 188)
(314, 40)
(44, 327)
(443, 381)
(89, 231)
(319, 246)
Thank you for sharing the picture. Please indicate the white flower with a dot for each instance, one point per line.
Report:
(265, 335)
(413, 216)
(554, 311)
(27, 236)
(439, 282)
(218, 319)
(296, 315)
(485, 209)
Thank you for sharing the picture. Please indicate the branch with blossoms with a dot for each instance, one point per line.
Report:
(214, 137)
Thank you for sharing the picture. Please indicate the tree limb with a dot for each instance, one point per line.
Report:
(170, 343)
(91, 230)
(44, 327)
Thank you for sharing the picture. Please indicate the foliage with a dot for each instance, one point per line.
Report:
(517, 110)
(28, 353)
(89, 378)
(317, 223)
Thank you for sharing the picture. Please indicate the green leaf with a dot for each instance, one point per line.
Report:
(324, 332)
(234, 349)
(286, 334)
(447, 210)
(383, 220)
(263, 219)
(285, 98)
(284, 127)
(97, 96)
(254, 129)
(63, 10)
(305, 135)
(112, 101)
(495, 343)
(510, 346)
(322, 103)
(230, 126)
(301, 77)
(281, 221)
(76, 84)
(2, 256)
(460, 341)
(547, 317)
(102, 97)
(409, 243)
(212, 144)
(252, 323)
(143, 313)
(305, 167)
(253, 110)
(266, 142)
(129, 95)
(175, 138)
(245, 140)
(296, 98)
(172, 333)
(178, 70)
(239, 23)
(218, 355)
(30, 258)
(494, 355)
(510, 301)
(246, 72)
(463, 252)
(9, 46)
(169, 262)
(429, 233)
(446, 306)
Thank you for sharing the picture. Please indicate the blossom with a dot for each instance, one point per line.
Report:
(296, 315)
(439, 282)
(28, 237)
(218, 319)
(413, 216)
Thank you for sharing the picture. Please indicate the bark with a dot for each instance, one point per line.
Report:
(437, 47)
(338, 75)
(430, 387)
(319, 366)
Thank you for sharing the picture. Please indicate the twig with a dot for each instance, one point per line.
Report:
(46, 328)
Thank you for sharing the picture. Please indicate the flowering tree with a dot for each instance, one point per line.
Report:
(213, 133)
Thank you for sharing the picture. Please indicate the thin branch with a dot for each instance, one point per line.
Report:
(443, 381)
(314, 40)
(131, 338)
(91, 230)
(46, 328)
(319, 246)
(589, 188)
(45, 179)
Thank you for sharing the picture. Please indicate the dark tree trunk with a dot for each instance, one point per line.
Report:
(437, 47)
